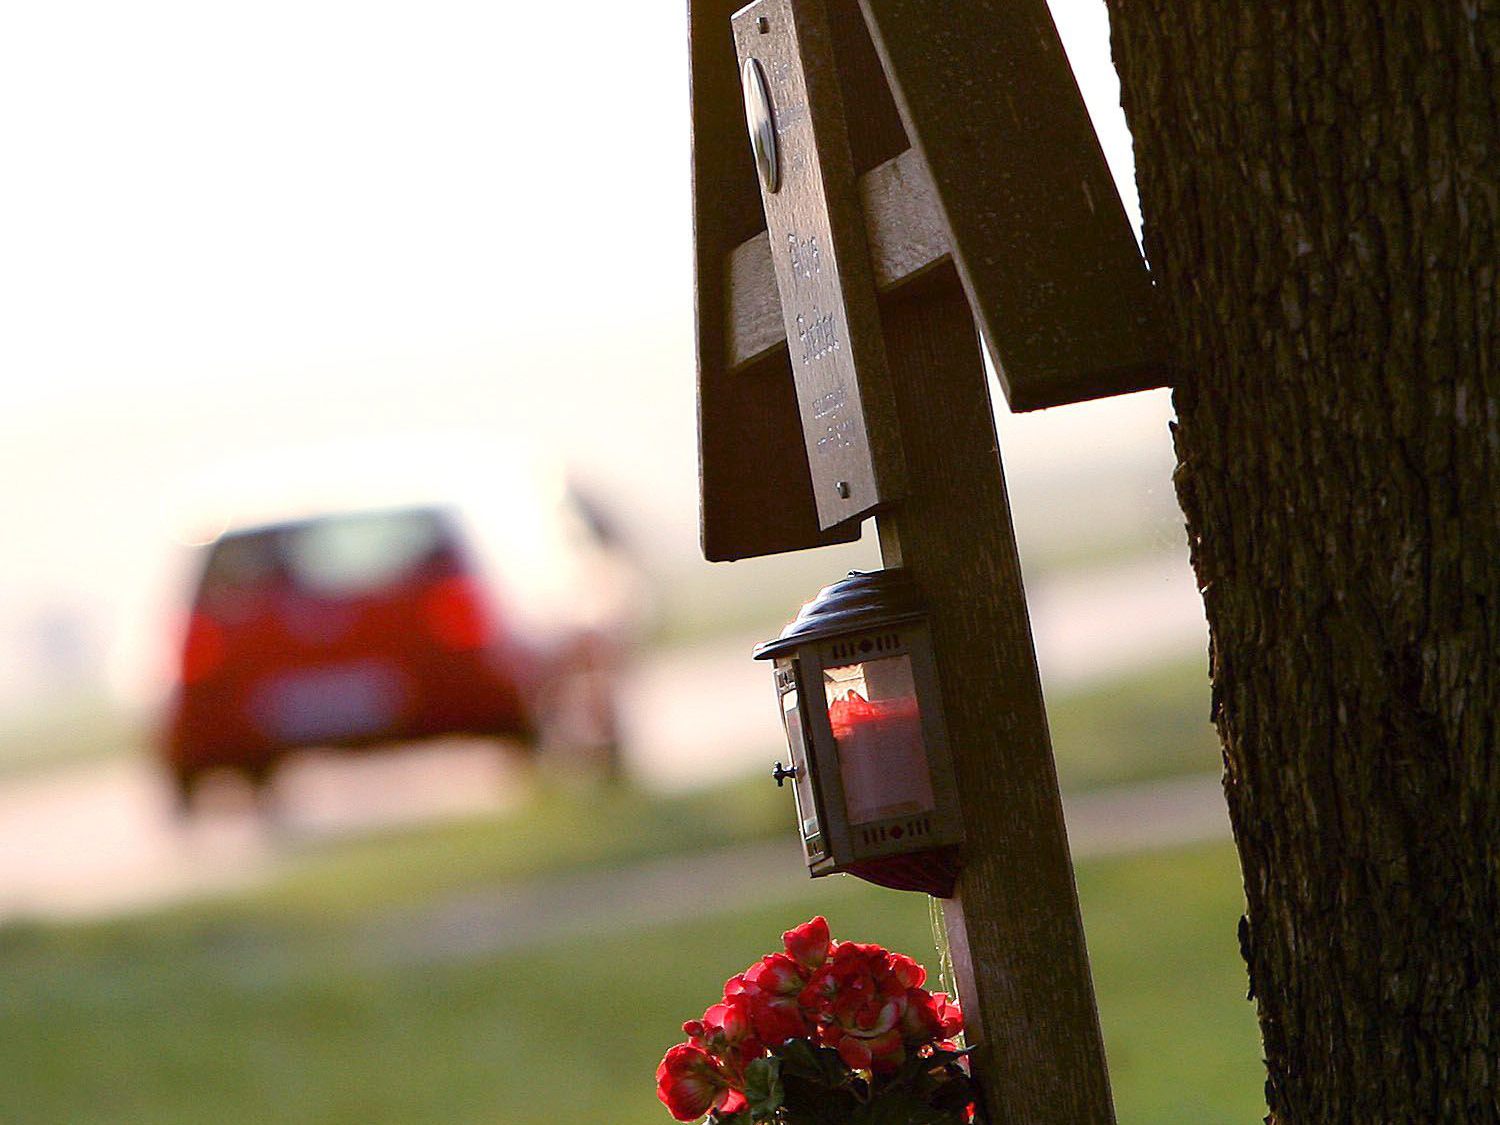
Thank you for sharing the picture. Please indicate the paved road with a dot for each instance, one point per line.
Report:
(1124, 819)
(99, 838)
(704, 713)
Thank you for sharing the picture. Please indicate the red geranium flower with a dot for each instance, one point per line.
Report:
(950, 1015)
(857, 1000)
(690, 1082)
(727, 1031)
(881, 1054)
(772, 986)
(809, 943)
(905, 970)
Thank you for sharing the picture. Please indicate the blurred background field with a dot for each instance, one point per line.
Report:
(464, 969)
(322, 256)
(271, 1014)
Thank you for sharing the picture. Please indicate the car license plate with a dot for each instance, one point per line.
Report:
(333, 704)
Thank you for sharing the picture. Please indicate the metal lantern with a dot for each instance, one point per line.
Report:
(870, 768)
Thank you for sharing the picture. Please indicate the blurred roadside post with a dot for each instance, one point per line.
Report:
(915, 168)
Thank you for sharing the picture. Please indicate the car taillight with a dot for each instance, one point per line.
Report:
(454, 612)
(203, 650)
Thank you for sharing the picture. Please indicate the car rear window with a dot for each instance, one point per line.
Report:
(330, 556)
(240, 563)
(361, 552)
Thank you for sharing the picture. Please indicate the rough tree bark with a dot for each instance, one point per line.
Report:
(1321, 187)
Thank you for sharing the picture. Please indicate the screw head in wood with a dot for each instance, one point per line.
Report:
(762, 124)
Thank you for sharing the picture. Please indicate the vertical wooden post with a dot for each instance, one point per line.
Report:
(1014, 925)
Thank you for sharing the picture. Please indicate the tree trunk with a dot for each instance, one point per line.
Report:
(1321, 187)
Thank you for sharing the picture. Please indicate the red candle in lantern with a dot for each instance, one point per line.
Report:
(882, 762)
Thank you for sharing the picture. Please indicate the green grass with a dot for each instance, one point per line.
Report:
(559, 829)
(259, 1016)
(1144, 726)
(1137, 727)
(273, 1005)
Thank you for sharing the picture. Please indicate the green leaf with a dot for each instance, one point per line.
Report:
(741, 1118)
(763, 1089)
(954, 1094)
(938, 1057)
(897, 1107)
(800, 1058)
(819, 1065)
(909, 1070)
(815, 1102)
(836, 1071)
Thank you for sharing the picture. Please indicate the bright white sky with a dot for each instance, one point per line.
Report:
(229, 230)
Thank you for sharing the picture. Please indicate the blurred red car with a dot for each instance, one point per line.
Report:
(348, 630)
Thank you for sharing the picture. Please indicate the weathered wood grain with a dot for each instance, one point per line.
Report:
(1014, 926)
(822, 264)
(1039, 235)
(903, 228)
(755, 493)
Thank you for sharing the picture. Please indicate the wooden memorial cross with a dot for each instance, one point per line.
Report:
(921, 166)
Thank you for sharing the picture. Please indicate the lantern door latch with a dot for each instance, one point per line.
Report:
(781, 773)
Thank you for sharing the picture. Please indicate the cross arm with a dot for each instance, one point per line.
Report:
(907, 238)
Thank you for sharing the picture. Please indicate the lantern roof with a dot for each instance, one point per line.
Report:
(863, 600)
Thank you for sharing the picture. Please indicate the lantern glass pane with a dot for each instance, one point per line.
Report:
(872, 708)
(802, 789)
